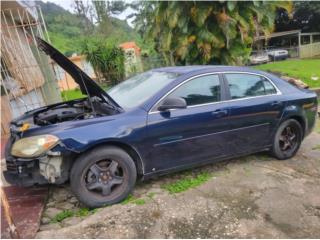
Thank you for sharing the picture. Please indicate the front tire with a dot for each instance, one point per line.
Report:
(103, 176)
(287, 139)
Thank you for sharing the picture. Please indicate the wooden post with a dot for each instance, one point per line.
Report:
(299, 44)
(7, 213)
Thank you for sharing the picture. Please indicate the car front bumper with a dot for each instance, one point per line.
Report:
(24, 180)
(53, 167)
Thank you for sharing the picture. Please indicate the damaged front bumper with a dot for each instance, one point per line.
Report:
(53, 167)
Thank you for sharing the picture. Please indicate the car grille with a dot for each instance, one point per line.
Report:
(12, 167)
(10, 161)
(16, 166)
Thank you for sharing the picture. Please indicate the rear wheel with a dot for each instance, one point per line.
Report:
(103, 176)
(287, 140)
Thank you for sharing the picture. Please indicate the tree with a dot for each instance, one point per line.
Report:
(103, 11)
(305, 16)
(206, 32)
(97, 13)
(84, 12)
(106, 59)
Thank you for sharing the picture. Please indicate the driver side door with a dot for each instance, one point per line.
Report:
(189, 136)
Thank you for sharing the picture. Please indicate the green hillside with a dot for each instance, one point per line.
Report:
(65, 28)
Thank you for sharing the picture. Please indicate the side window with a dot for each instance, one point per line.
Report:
(200, 90)
(247, 85)
(269, 88)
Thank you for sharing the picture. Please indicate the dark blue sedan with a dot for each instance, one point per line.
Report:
(160, 121)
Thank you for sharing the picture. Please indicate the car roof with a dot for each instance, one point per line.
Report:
(210, 68)
(185, 72)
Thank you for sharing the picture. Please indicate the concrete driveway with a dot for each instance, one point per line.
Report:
(251, 197)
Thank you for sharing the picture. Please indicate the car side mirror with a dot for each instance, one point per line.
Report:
(173, 103)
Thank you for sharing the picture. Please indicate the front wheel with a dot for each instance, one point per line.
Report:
(103, 176)
(287, 139)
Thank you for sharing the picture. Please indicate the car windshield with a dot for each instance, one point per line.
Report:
(133, 91)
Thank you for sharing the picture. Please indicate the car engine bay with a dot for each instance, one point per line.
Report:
(74, 110)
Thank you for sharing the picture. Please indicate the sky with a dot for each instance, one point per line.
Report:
(67, 4)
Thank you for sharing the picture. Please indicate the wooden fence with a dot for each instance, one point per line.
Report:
(310, 50)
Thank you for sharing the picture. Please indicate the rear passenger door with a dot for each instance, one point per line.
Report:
(255, 108)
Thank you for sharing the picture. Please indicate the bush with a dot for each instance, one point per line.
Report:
(106, 58)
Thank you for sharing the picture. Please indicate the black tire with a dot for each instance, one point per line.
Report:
(286, 145)
(97, 184)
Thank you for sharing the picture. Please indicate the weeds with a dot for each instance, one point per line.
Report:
(186, 183)
(132, 199)
(139, 201)
(82, 212)
(62, 215)
(317, 128)
(317, 147)
(151, 195)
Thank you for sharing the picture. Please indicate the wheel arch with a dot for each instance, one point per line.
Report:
(296, 112)
(134, 154)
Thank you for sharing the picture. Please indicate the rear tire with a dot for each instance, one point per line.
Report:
(103, 176)
(287, 139)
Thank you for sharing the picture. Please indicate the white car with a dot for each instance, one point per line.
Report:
(278, 54)
(259, 58)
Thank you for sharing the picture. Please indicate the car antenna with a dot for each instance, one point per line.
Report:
(89, 97)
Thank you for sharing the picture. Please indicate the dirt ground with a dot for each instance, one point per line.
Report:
(250, 197)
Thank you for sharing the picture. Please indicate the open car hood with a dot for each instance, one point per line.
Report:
(86, 84)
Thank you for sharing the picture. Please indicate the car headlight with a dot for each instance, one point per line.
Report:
(33, 146)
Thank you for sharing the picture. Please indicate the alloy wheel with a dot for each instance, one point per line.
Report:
(104, 177)
(288, 139)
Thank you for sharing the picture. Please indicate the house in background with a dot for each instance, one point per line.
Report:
(65, 81)
(132, 58)
(27, 79)
(298, 44)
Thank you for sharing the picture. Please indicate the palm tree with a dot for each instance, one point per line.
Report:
(206, 32)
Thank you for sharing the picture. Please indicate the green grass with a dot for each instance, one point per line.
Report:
(82, 212)
(139, 201)
(76, 93)
(151, 195)
(303, 69)
(134, 200)
(62, 215)
(186, 183)
(71, 94)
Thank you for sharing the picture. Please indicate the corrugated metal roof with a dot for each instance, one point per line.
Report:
(278, 34)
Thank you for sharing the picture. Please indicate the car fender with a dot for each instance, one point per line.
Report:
(127, 147)
(83, 138)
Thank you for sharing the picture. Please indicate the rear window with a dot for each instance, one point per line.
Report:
(248, 85)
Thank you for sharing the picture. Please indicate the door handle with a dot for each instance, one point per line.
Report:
(276, 103)
(220, 112)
